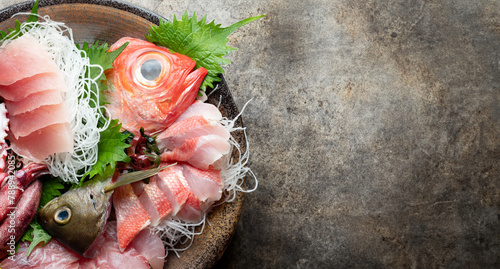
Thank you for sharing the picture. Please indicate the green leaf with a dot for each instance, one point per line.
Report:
(38, 235)
(17, 31)
(51, 188)
(110, 150)
(205, 43)
(99, 55)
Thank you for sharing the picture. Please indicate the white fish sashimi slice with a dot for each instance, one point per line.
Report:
(194, 126)
(201, 152)
(30, 85)
(154, 200)
(198, 108)
(205, 184)
(34, 101)
(51, 255)
(23, 58)
(151, 247)
(39, 145)
(26, 123)
(169, 182)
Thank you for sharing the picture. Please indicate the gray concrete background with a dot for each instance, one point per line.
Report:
(373, 129)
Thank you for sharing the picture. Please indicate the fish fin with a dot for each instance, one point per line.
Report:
(134, 177)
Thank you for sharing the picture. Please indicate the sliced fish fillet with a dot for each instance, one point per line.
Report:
(34, 101)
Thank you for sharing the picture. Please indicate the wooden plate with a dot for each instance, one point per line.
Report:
(107, 21)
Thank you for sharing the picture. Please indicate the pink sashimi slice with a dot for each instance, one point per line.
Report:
(34, 101)
(151, 247)
(111, 256)
(205, 184)
(193, 210)
(30, 85)
(201, 152)
(155, 201)
(40, 144)
(169, 182)
(26, 123)
(51, 255)
(130, 215)
(23, 57)
(198, 108)
(194, 126)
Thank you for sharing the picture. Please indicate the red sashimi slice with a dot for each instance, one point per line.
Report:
(205, 184)
(30, 85)
(201, 152)
(29, 122)
(34, 101)
(194, 126)
(23, 57)
(130, 215)
(154, 201)
(40, 144)
(169, 182)
(193, 210)
(198, 108)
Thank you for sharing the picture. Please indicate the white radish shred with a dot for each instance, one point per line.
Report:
(57, 39)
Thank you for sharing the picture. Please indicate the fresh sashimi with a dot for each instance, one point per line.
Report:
(169, 182)
(34, 101)
(151, 247)
(201, 152)
(198, 108)
(39, 145)
(22, 58)
(30, 85)
(111, 256)
(51, 255)
(194, 126)
(154, 201)
(205, 184)
(26, 123)
(194, 209)
(130, 215)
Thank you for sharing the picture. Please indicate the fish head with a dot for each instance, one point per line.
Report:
(149, 86)
(77, 217)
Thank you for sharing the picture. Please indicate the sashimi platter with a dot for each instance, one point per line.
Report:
(120, 143)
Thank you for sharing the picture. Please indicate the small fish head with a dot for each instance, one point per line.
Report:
(77, 217)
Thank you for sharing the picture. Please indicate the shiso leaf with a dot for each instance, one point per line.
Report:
(17, 31)
(205, 43)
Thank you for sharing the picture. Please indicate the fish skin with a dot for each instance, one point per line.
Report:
(154, 106)
(90, 207)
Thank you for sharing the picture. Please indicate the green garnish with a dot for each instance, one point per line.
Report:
(16, 31)
(205, 43)
(36, 235)
(110, 149)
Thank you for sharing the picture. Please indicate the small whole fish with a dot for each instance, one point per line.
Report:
(78, 217)
(149, 86)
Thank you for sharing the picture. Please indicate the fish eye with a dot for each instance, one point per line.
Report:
(151, 69)
(62, 215)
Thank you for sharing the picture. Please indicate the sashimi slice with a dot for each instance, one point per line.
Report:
(194, 126)
(111, 256)
(34, 101)
(30, 85)
(29, 122)
(169, 182)
(40, 144)
(154, 200)
(201, 152)
(24, 57)
(151, 247)
(130, 215)
(198, 108)
(205, 184)
(193, 210)
(51, 255)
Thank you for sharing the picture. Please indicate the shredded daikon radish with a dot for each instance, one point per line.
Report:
(57, 39)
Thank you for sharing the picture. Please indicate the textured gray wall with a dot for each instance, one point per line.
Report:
(374, 131)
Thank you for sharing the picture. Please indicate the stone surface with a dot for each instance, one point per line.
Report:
(373, 128)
